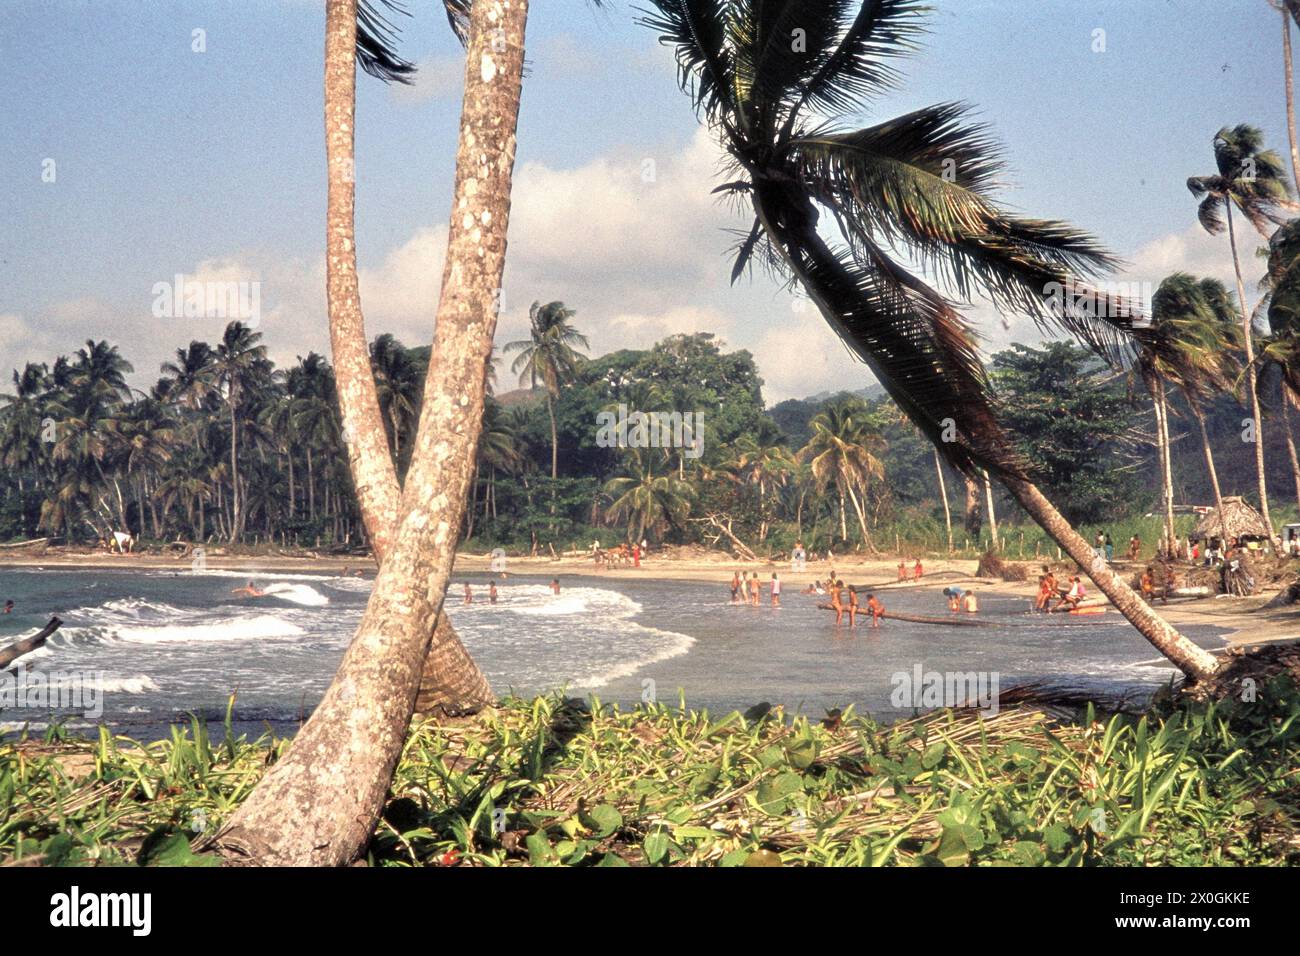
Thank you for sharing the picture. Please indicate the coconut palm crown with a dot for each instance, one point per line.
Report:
(838, 208)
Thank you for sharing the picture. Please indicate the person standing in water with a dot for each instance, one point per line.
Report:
(492, 593)
(756, 590)
(555, 585)
(736, 585)
(836, 605)
(853, 605)
(876, 608)
(468, 597)
(776, 590)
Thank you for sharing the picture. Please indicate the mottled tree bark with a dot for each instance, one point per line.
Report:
(452, 683)
(319, 804)
(1192, 660)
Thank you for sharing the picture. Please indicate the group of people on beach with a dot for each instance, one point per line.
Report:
(1049, 588)
(917, 570)
(846, 599)
(750, 590)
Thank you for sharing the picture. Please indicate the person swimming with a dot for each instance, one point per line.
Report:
(555, 585)
(9, 607)
(251, 589)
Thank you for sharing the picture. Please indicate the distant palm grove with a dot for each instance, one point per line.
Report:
(226, 447)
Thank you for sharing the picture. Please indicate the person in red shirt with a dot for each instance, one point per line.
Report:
(917, 570)
(636, 555)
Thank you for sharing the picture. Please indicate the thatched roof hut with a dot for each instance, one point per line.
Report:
(1243, 521)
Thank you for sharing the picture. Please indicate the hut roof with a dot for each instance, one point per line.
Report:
(1242, 520)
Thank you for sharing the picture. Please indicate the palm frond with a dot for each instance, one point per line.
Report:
(377, 40)
(697, 31)
(880, 31)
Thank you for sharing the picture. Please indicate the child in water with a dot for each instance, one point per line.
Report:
(853, 605)
(776, 590)
(492, 593)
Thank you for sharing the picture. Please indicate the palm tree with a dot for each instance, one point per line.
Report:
(649, 501)
(1251, 180)
(921, 183)
(767, 468)
(1290, 10)
(549, 357)
(234, 360)
(1281, 285)
(319, 803)
(397, 386)
(842, 453)
(1189, 345)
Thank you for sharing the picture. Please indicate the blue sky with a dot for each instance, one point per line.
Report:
(212, 164)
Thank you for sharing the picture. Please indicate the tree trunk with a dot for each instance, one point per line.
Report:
(234, 465)
(1214, 474)
(1287, 399)
(862, 520)
(374, 474)
(1251, 385)
(1289, 68)
(844, 528)
(318, 805)
(943, 494)
(974, 519)
(1192, 660)
(1161, 410)
(993, 518)
(1195, 662)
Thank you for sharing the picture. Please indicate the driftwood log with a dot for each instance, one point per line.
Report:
(28, 644)
(913, 618)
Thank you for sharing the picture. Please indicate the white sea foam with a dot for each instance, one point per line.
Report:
(296, 594)
(258, 627)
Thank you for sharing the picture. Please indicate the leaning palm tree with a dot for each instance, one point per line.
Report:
(921, 183)
(549, 357)
(1250, 179)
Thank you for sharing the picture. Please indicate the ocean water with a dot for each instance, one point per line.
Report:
(160, 645)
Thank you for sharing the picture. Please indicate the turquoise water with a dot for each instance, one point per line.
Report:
(162, 644)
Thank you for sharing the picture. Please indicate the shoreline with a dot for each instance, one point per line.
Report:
(1240, 617)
